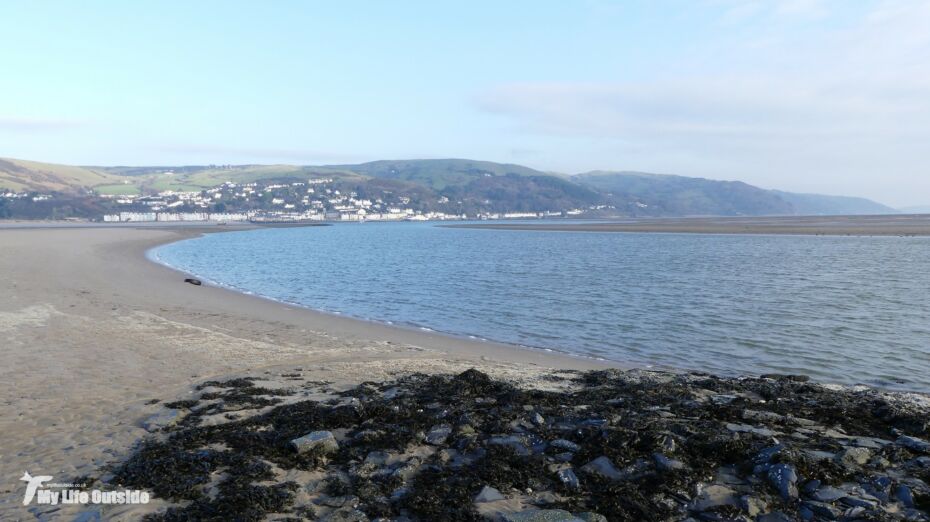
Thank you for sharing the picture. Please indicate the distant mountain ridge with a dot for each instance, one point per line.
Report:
(469, 184)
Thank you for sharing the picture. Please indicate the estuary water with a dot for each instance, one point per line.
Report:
(840, 309)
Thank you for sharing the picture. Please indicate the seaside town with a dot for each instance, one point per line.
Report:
(317, 199)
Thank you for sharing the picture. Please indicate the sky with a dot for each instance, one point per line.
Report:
(828, 96)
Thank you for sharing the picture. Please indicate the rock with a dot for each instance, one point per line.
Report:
(377, 458)
(195, 282)
(775, 516)
(541, 515)
(828, 494)
(904, 495)
(566, 445)
(162, 419)
(851, 457)
(746, 428)
(438, 434)
(783, 377)
(588, 516)
(753, 505)
(345, 515)
(604, 467)
(913, 443)
(568, 478)
(765, 456)
(518, 444)
(537, 419)
(714, 496)
(822, 510)
(784, 478)
(488, 494)
(666, 464)
(316, 439)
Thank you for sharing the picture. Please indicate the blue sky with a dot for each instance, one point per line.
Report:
(807, 95)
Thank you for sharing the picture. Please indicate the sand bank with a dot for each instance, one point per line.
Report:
(91, 331)
(890, 225)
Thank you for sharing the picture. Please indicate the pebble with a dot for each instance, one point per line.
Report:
(784, 478)
(851, 457)
(566, 445)
(604, 467)
(913, 443)
(714, 496)
(568, 478)
(541, 515)
(438, 434)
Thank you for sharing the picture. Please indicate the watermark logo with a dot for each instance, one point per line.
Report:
(54, 494)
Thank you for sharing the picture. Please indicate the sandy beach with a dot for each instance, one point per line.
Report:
(91, 332)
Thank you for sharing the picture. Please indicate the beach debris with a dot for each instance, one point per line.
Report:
(195, 282)
(622, 445)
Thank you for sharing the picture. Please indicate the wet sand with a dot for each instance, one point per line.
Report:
(890, 225)
(91, 331)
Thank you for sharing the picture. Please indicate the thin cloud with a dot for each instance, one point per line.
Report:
(27, 124)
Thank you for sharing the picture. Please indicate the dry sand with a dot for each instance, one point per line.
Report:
(90, 332)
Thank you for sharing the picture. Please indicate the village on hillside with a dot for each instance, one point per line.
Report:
(317, 199)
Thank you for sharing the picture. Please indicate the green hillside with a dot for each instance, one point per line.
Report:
(22, 175)
(682, 196)
(438, 173)
(468, 184)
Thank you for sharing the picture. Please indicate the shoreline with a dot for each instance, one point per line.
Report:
(408, 328)
(94, 332)
(906, 225)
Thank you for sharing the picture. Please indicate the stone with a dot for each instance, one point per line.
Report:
(162, 419)
(775, 516)
(316, 439)
(537, 419)
(541, 515)
(518, 444)
(566, 445)
(822, 510)
(589, 516)
(746, 428)
(714, 496)
(488, 494)
(904, 495)
(913, 443)
(666, 464)
(784, 478)
(828, 494)
(753, 505)
(604, 467)
(345, 515)
(438, 434)
(568, 478)
(851, 457)
(192, 281)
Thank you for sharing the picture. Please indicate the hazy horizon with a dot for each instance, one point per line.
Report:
(813, 96)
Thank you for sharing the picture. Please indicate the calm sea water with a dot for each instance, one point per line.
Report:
(841, 309)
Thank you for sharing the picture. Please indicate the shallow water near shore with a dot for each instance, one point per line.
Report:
(841, 309)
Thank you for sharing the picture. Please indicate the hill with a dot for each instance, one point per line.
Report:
(669, 195)
(25, 176)
(455, 185)
(818, 204)
(683, 196)
(437, 174)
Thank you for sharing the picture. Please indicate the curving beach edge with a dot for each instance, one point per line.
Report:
(103, 348)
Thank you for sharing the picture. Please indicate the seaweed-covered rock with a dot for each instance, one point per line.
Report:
(322, 441)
